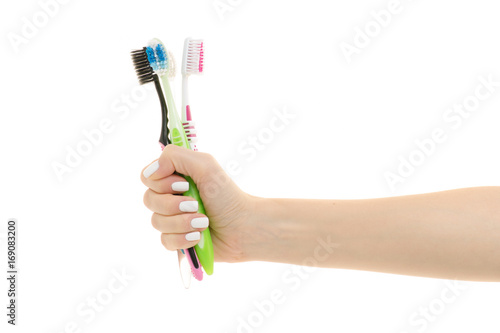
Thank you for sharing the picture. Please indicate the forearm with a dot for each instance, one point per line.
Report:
(451, 234)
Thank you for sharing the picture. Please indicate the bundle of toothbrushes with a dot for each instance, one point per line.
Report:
(153, 63)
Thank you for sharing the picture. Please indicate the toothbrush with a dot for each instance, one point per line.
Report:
(146, 74)
(204, 248)
(192, 63)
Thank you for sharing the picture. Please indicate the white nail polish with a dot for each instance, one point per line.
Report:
(180, 186)
(152, 168)
(199, 222)
(192, 236)
(189, 206)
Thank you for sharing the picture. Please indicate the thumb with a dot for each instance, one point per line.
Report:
(184, 161)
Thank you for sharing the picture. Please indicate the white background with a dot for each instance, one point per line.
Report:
(352, 121)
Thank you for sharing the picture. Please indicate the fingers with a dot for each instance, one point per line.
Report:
(177, 216)
(181, 223)
(173, 184)
(180, 231)
(169, 204)
(180, 241)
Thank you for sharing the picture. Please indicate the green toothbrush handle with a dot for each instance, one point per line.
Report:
(204, 248)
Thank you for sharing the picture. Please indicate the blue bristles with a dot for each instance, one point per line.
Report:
(152, 58)
(159, 58)
(161, 53)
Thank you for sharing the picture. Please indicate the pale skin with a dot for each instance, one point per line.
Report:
(452, 234)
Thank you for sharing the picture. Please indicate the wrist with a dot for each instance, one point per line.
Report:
(273, 231)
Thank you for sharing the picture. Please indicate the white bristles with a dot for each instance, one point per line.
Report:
(171, 65)
(192, 63)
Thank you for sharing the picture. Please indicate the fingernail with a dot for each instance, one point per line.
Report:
(199, 222)
(151, 169)
(180, 186)
(189, 206)
(192, 236)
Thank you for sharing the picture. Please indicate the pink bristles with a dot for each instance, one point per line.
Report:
(194, 57)
(201, 58)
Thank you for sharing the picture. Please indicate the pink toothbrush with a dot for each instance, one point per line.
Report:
(192, 63)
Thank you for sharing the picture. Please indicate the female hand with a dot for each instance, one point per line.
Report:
(227, 207)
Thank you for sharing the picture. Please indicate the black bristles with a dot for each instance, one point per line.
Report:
(142, 68)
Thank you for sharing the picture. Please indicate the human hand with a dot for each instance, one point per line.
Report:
(227, 207)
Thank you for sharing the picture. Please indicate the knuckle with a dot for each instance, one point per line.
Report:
(154, 221)
(208, 159)
(169, 203)
(170, 151)
(169, 148)
(209, 164)
(145, 198)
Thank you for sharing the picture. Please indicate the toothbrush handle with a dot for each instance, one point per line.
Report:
(204, 248)
(188, 126)
(190, 255)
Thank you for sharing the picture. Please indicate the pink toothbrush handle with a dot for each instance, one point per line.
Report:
(197, 272)
(190, 136)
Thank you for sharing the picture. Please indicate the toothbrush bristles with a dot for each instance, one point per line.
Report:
(160, 59)
(194, 57)
(142, 67)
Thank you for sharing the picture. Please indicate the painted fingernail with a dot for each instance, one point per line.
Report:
(192, 236)
(151, 169)
(189, 206)
(199, 222)
(180, 186)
